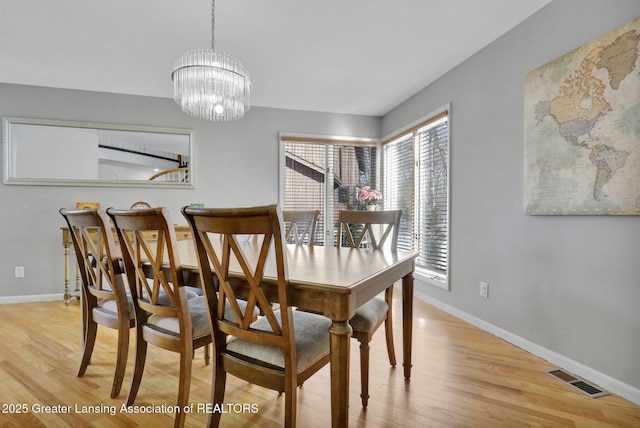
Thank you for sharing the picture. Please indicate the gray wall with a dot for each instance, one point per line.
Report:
(568, 284)
(236, 165)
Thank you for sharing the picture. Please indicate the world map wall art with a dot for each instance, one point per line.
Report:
(582, 129)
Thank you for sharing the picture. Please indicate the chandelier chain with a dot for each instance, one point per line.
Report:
(213, 25)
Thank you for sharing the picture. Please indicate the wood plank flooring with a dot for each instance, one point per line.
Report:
(462, 377)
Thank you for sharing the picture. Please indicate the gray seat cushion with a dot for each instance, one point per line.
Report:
(311, 335)
(109, 305)
(199, 319)
(191, 292)
(369, 314)
(228, 312)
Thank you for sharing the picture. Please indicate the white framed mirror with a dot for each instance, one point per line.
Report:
(67, 153)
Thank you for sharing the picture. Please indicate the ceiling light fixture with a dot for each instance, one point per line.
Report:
(210, 84)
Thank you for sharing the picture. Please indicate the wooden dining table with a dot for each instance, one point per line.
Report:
(334, 281)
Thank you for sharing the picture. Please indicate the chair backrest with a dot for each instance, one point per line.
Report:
(300, 226)
(150, 253)
(97, 255)
(239, 266)
(357, 228)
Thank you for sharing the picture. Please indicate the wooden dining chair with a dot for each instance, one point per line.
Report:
(300, 226)
(284, 347)
(104, 295)
(357, 229)
(165, 315)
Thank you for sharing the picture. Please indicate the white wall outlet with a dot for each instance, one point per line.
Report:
(19, 271)
(484, 289)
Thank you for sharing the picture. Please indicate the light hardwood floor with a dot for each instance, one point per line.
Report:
(462, 377)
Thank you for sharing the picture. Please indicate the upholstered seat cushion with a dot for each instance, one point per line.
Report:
(193, 291)
(368, 315)
(110, 304)
(199, 319)
(228, 312)
(190, 291)
(311, 335)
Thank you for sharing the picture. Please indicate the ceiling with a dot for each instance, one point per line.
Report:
(343, 56)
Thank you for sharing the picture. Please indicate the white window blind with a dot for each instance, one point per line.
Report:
(305, 171)
(398, 186)
(325, 174)
(416, 180)
(432, 143)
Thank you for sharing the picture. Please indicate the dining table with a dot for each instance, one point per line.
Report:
(334, 282)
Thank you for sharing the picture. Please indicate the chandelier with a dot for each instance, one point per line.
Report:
(210, 84)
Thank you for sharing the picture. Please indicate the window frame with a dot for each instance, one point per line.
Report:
(430, 276)
(331, 141)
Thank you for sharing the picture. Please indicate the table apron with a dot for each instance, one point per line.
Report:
(390, 276)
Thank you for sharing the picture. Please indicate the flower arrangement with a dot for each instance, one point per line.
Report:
(369, 196)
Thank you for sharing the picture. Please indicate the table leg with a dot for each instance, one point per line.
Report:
(340, 338)
(407, 322)
(66, 242)
(76, 291)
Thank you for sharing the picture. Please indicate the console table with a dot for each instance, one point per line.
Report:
(183, 232)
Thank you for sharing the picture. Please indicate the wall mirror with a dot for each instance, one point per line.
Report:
(65, 153)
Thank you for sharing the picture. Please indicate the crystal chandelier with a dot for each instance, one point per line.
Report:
(210, 84)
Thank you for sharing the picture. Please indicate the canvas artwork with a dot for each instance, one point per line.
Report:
(582, 129)
(87, 205)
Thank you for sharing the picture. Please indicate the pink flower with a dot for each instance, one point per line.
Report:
(370, 196)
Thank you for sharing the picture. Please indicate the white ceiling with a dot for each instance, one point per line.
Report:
(343, 56)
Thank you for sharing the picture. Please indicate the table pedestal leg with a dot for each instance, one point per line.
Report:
(340, 338)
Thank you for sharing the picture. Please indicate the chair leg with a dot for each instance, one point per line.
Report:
(218, 382)
(89, 340)
(207, 354)
(84, 305)
(388, 326)
(121, 359)
(364, 372)
(138, 368)
(184, 384)
(89, 331)
(290, 400)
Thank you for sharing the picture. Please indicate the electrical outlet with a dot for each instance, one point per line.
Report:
(19, 271)
(484, 289)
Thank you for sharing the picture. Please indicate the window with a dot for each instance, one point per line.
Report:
(325, 174)
(416, 180)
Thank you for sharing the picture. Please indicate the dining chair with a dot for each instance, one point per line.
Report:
(104, 295)
(284, 347)
(300, 226)
(165, 315)
(357, 229)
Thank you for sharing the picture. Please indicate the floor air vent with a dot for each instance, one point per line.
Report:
(577, 383)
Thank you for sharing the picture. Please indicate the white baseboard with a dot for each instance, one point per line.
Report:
(27, 299)
(607, 382)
